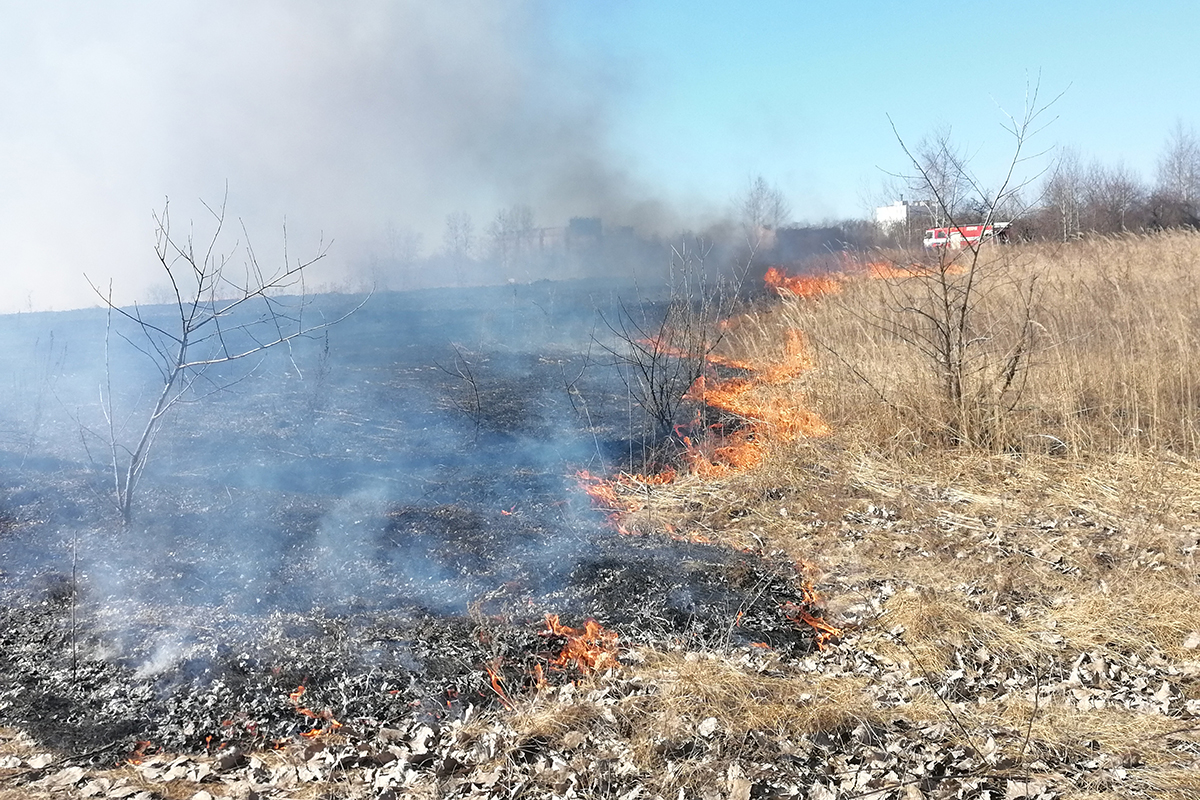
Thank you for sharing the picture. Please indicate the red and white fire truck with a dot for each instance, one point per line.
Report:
(957, 238)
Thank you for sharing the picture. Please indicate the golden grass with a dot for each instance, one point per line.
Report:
(1071, 528)
(692, 689)
(1136, 612)
(938, 624)
(1115, 365)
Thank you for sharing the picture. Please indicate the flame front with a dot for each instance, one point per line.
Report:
(764, 411)
(590, 649)
(767, 416)
(497, 681)
(801, 286)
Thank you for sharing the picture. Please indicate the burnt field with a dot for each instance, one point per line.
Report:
(383, 515)
(368, 567)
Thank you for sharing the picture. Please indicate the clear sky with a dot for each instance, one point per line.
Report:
(363, 122)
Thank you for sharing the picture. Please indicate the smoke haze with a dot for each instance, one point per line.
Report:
(349, 122)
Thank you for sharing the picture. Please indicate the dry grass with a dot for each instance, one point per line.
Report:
(1114, 369)
(938, 624)
(1073, 529)
(694, 688)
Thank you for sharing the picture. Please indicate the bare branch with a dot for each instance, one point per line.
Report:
(210, 331)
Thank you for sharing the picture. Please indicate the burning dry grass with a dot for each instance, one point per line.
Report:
(1114, 368)
(1063, 551)
(1033, 602)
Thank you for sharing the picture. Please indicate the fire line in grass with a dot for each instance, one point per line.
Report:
(764, 415)
(813, 286)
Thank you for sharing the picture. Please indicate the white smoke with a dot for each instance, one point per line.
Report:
(347, 120)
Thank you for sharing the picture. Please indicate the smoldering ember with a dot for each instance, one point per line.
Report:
(582, 538)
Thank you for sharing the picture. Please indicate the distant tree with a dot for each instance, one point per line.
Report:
(1179, 166)
(943, 180)
(1176, 198)
(403, 244)
(459, 237)
(402, 249)
(1115, 199)
(763, 209)
(458, 243)
(1063, 194)
(512, 234)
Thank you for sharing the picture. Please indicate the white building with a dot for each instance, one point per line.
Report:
(903, 213)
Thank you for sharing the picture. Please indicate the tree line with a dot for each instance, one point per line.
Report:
(1074, 197)
(1080, 198)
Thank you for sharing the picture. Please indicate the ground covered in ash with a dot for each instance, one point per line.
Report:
(80, 668)
(379, 518)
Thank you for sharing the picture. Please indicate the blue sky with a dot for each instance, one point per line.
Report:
(368, 122)
(709, 92)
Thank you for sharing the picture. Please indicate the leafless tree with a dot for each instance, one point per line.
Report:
(458, 242)
(458, 239)
(1179, 167)
(1175, 201)
(512, 234)
(403, 244)
(470, 401)
(980, 359)
(401, 252)
(942, 177)
(1064, 193)
(1114, 196)
(221, 315)
(762, 209)
(662, 351)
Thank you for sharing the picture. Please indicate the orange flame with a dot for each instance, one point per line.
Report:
(811, 286)
(604, 493)
(135, 757)
(591, 648)
(539, 678)
(765, 417)
(324, 716)
(825, 631)
(497, 680)
(636, 479)
(768, 416)
(800, 614)
(802, 286)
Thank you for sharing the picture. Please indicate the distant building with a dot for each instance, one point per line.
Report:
(906, 214)
(584, 228)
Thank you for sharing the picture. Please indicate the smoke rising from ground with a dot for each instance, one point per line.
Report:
(348, 122)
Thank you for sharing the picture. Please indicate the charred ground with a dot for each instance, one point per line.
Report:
(378, 518)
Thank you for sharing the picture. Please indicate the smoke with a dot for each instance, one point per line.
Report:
(348, 122)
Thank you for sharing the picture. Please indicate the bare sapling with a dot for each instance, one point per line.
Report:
(219, 316)
(967, 307)
(470, 402)
(660, 351)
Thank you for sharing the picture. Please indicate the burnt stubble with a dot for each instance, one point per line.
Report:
(357, 517)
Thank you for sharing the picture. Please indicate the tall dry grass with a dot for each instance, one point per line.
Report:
(1114, 365)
